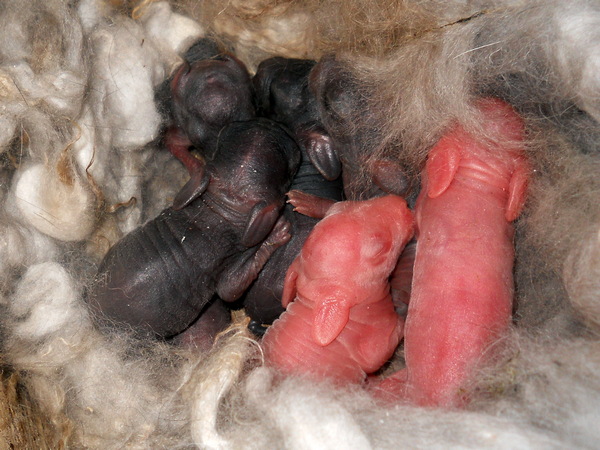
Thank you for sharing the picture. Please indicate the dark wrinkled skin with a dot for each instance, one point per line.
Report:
(210, 90)
(344, 113)
(281, 87)
(209, 94)
(202, 49)
(158, 279)
(200, 335)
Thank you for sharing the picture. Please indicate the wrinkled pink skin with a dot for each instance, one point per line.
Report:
(462, 287)
(340, 321)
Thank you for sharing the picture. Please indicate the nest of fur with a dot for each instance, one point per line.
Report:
(81, 166)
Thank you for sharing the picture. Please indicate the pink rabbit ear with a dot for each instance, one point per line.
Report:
(517, 190)
(331, 317)
(442, 164)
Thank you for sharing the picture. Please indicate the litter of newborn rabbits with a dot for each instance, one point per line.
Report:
(82, 164)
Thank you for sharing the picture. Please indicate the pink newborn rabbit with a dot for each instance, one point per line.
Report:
(340, 321)
(462, 288)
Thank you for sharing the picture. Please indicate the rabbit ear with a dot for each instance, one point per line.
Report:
(203, 48)
(179, 145)
(261, 82)
(442, 164)
(193, 189)
(517, 191)
(389, 176)
(321, 152)
(331, 316)
(260, 223)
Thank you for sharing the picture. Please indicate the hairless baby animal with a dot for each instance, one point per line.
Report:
(281, 87)
(341, 105)
(340, 321)
(159, 278)
(462, 290)
(209, 90)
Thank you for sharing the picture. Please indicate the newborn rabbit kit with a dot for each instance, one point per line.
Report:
(93, 148)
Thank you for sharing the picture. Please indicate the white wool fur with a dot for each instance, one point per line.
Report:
(41, 198)
(582, 275)
(92, 12)
(126, 69)
(171, 32)
(578, 52)
(286, 29)
(215, 378)
(292, 410)
(114, 397)
(81, 166)
(21, 247)
(55, 307)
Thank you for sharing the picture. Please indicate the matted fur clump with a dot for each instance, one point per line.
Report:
(81, 167)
